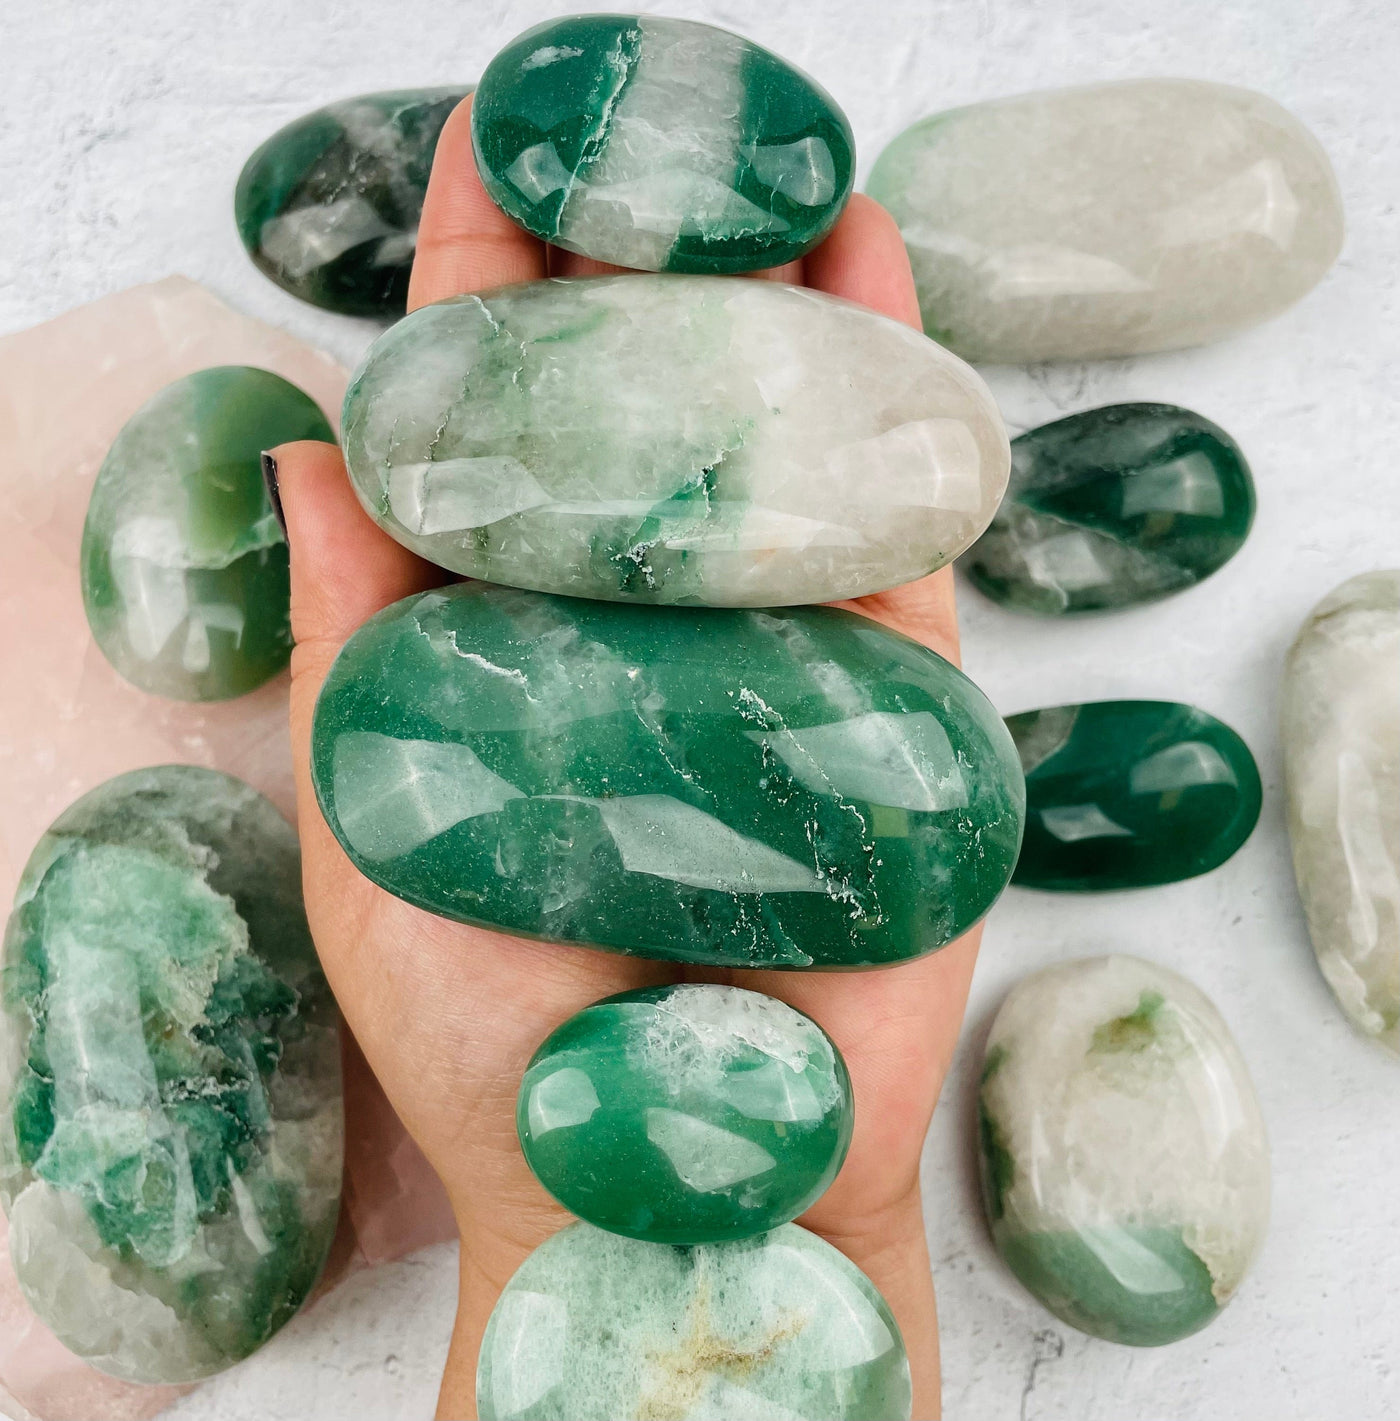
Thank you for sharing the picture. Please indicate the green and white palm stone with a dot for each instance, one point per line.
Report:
(686, 1114)
(170, 1100)
(594, 1326)
(661, 144)
(184, 564)
(706, 441)
(1125, 1165)
(1112, 508)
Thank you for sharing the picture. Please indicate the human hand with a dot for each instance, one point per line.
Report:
(449, 1015)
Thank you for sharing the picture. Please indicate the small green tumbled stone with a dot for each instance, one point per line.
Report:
(686, 1114)
(328, 207)
(789, 788)
(184, 565)
(661, 144)
(1114, 507)
(171, 1129)
(1123, 794)
(594, 1327)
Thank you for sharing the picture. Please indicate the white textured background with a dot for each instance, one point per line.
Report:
(123, 124)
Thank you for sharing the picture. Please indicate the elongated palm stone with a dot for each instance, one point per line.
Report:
(594, 1326)
(184, 565)
(1125, 1164)
(1114, 219)
(673, 439)
(784, 788)
(1123, 794)
(170, 1101)
(661, 144)
(1114, 507)
(328, 207)
(1341, 747)
(686, 1114)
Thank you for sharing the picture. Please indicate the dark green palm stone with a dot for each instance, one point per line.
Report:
(328, 207)
(184, 564)
(789, 788)
(1114, 507)
(170, 1155)
(1123, 794)
(686, 1114)
(661, 144)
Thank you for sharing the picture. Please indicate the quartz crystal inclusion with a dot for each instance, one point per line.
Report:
(171, 1139)
(328, 207)
(686, 1114)
(1341, 743)
(594, 1327)
(1114, 507)
(695, 440)
(660, 144)
(184, 565)
(1122, 794)
(1125, 1166)
(786, 788)
(1109, 220)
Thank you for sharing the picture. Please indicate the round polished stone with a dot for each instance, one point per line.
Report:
(594, 1326)
(686, 1114)
(661, 144)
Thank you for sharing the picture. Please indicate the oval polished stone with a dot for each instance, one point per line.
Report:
(749, 789)
(184, 565)
(1109, 220)
(170, 1152)
(686, 1114)
(1123, 794)
(1125, 1165)
(696, 440)
(1114, 507)
(661, 144)
(1341, 749)
(328, 207)
(594, 1326)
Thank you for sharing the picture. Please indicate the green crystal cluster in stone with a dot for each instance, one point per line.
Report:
(1114, 507)
(328, 207)
(661, 144)
(686, 1114)
(787, 788)
(184, 565)
(171, 1140)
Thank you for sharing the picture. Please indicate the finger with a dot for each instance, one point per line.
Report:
(465, 242)
(864, 260)
(562, 263)
(924, 610)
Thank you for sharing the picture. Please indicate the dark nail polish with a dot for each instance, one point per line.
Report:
(274, 492)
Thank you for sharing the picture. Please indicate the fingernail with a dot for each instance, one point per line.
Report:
(274, 492)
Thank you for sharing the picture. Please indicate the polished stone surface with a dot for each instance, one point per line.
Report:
(1341, 744)
(184, 566)
(1125, 1165)
(1111, 508)
(784, 788)
(781, 1327)
(686, 1114)
(1124, 794)
(171, 1138)
(661, 144)
(328, 207)
(697, 440)
(1114, 219)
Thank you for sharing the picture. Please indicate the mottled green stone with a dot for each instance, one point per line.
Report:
(171, 1136)
(328, 207)
(594, 1327)
(1114, 507)
(1123, 794)
(661, 144)
(686, 1114)
(787, 788)
(184, 565)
